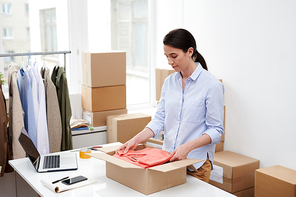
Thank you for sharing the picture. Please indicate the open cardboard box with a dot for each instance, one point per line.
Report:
(146, 181)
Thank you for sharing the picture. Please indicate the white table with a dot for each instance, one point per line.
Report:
(95, 169)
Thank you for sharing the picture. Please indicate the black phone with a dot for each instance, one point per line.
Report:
(73, 180)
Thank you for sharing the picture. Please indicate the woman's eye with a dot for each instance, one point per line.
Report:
(174, 56)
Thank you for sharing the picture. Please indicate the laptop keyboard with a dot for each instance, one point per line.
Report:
(51, 161)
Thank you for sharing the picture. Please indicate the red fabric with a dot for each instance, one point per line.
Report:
(145, 158)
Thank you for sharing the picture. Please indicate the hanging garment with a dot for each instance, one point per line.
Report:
(5, 147)
(16, 113)
(41, 124)
(54, 123)
(33, 84)
(58, 77)
(25, 91)
(145, 158)
(3, 133)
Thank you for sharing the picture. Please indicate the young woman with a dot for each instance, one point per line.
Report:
(190, 110)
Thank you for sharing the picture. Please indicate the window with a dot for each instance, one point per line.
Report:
(48, 29)
(8, 33)
(27, 9)
(33, 27)
(6, 8)
(98, 25)
(129, 32)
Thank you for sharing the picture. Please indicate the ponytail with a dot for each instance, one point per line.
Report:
(199, 58)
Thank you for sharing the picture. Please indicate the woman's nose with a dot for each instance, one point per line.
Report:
(170, 62)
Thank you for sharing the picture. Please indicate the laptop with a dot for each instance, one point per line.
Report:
(48, 162)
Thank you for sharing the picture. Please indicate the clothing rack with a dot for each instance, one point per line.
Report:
(38, 53)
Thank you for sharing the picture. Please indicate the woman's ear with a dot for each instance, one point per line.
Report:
(190, 51)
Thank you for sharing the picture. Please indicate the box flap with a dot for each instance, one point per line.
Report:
(108, 149)
(175, 165)
(114, 160)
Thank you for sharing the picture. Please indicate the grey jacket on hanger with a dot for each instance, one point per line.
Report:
(54, 123)
(16, 113)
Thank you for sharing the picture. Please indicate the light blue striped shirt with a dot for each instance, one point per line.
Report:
(187, 116)
(25, 91)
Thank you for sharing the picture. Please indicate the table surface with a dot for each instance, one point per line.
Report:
(95, 169)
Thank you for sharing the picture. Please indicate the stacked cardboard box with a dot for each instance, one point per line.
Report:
(103, 91)
(275, 181)
(121, 128)
(238, 173)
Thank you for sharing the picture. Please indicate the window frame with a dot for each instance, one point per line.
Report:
(6, 8)
(8, 33)
(52, 25)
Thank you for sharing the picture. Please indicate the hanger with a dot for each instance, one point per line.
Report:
(28, 66)
(10, 60)
(22, 66)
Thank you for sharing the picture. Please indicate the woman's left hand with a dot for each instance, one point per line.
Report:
(181, 152)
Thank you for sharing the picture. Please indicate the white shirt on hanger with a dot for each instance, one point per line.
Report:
(34, 92)
(42, 130)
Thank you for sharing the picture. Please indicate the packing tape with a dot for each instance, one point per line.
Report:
(83, 155)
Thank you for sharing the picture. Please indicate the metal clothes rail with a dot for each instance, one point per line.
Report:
(34, 53)
(38, 53)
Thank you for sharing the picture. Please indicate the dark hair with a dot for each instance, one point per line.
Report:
(183, 39)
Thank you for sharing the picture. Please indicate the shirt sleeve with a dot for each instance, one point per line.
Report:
(215, 112)
(157, 123)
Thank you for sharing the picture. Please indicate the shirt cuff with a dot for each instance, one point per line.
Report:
(153, 128)
(215, 135)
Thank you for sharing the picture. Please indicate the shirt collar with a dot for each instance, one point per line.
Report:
(195, 73)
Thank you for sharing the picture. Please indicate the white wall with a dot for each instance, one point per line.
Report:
(168, 16)
(99, 30)
(251, 46)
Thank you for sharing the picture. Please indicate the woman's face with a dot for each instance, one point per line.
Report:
(177, 58)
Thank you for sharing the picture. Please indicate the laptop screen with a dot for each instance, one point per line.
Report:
(29, 147)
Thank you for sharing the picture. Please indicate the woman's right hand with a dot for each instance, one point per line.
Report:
(144, 135)
(131, 144)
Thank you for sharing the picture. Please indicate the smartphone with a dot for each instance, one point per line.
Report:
(73, 180)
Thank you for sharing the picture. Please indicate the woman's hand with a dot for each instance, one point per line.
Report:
(131, 144)
(181, 152)
(144, 135)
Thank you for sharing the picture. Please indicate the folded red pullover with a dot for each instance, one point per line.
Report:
(145, 158)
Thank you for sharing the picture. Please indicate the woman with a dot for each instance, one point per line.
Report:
(190, 110)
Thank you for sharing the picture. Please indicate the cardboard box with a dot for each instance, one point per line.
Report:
(97, 119)
(121, 128)
(160, 75)
(219, 147)
(104, 69)
(238, 171)
(146, 181)
(222, 137)
(275, 181)
(103, 98)
(245, 193)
